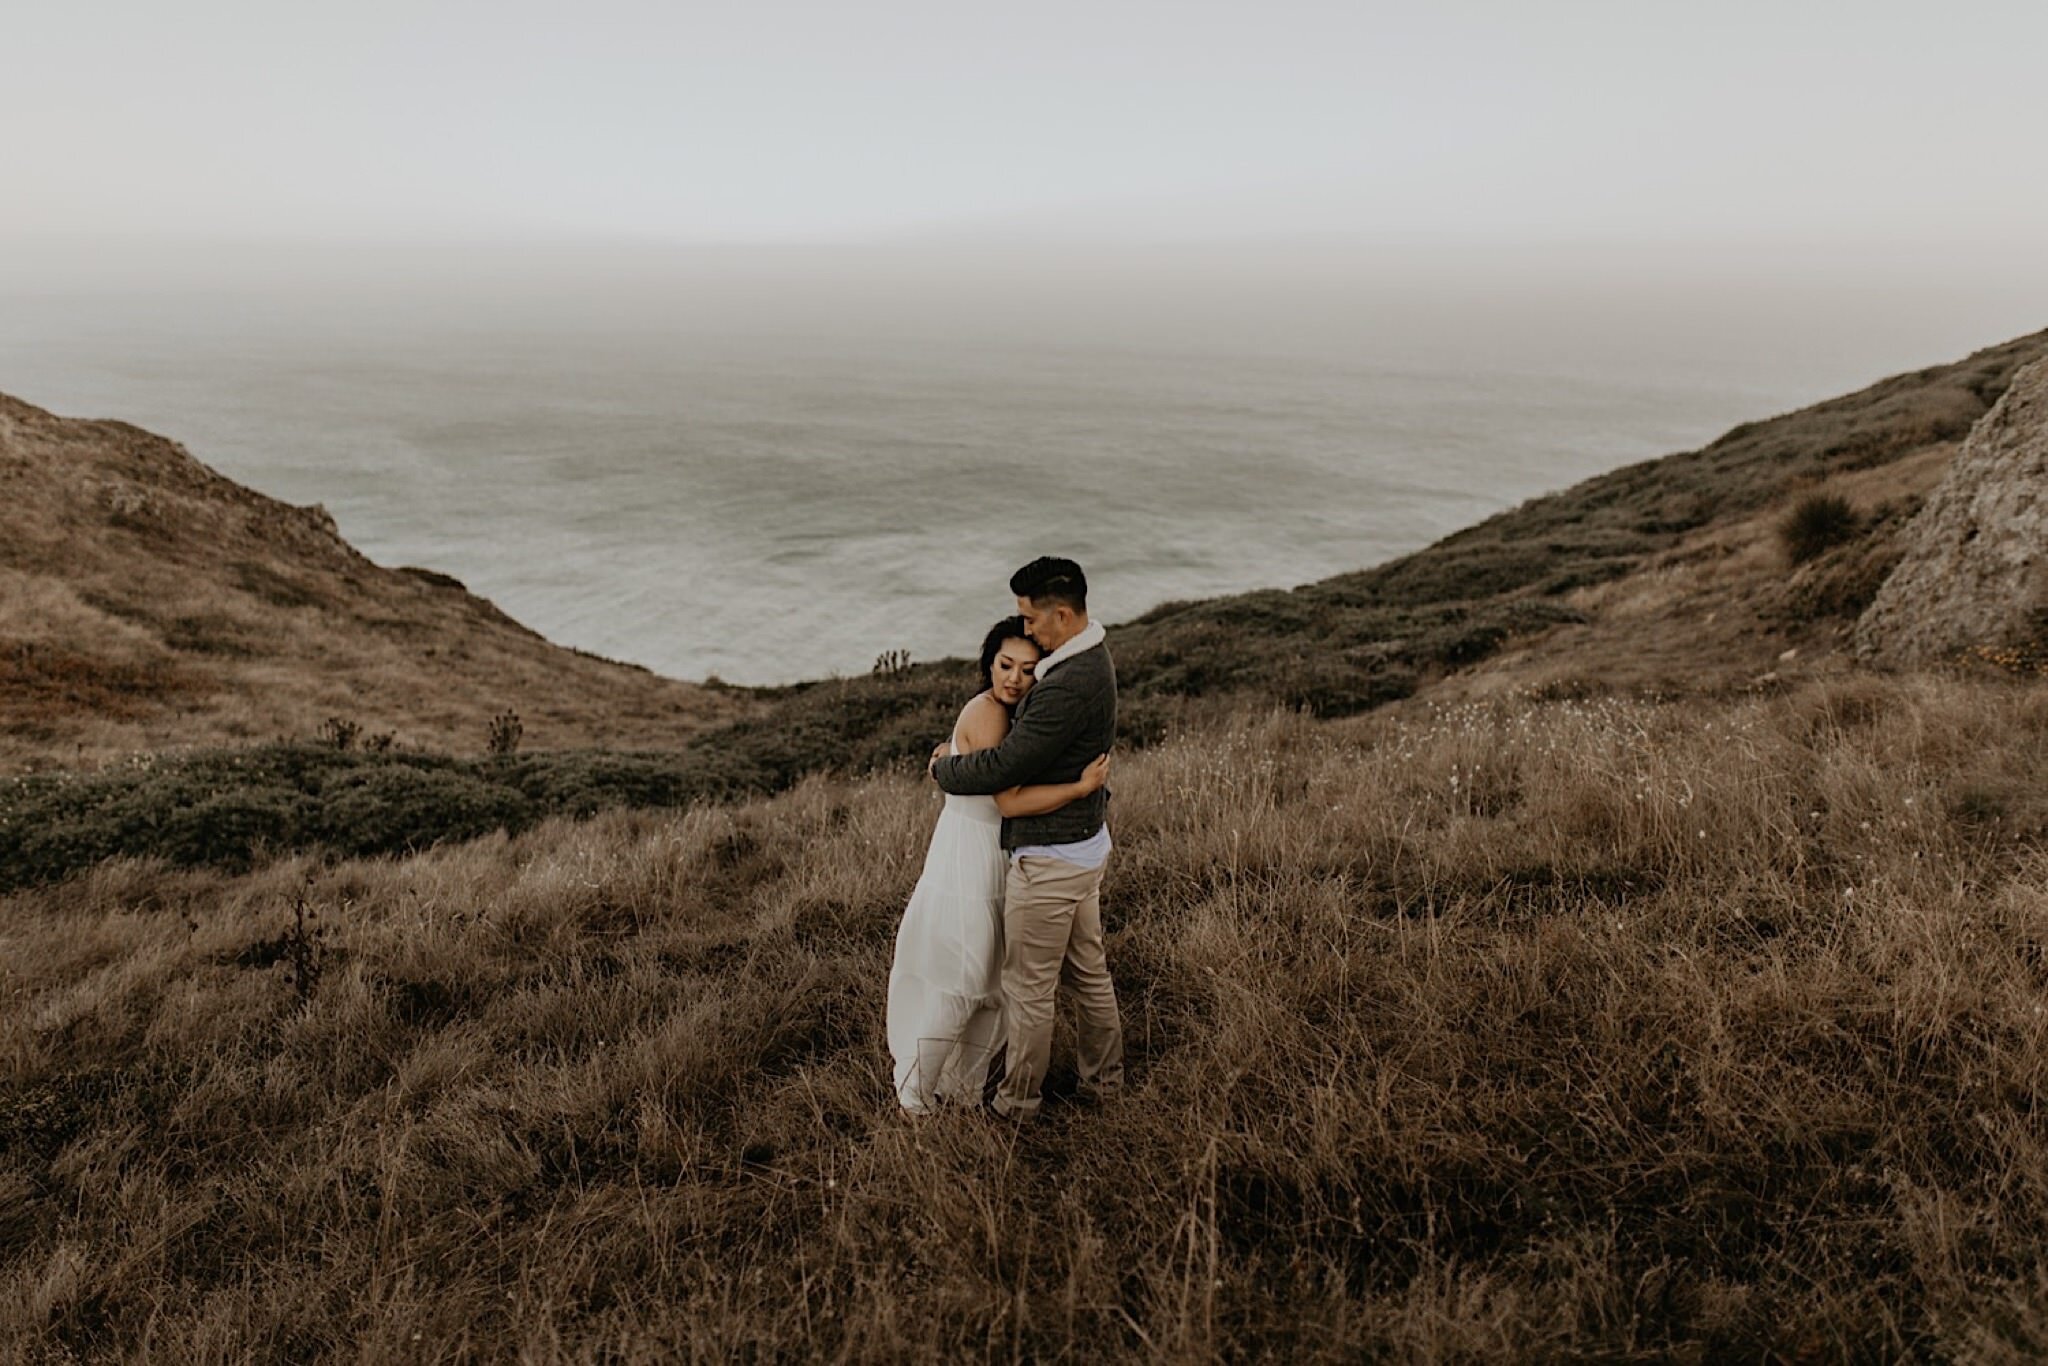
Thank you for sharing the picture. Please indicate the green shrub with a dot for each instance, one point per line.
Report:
(231, 808)
(581, 782)
(231, 829)
(391, 808)
(1330, 690)
(504, 733)
(1816, 525)
(339, 732)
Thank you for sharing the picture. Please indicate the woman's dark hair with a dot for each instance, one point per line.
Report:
(1009, 628)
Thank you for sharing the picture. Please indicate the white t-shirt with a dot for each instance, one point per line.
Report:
(1092, 852)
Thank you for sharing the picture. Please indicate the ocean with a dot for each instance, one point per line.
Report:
(769, 475)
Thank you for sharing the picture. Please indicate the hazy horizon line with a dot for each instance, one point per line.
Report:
(37, 262)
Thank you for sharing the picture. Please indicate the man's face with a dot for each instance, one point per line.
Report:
(1051, 626)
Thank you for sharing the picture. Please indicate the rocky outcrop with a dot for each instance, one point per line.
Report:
(1975, 570)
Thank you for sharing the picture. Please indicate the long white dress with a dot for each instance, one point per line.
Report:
(945, 986)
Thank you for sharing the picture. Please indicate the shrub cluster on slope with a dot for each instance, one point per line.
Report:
(232, 808)
(1704, 1030)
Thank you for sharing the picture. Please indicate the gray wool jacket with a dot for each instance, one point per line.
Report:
(1066, 719)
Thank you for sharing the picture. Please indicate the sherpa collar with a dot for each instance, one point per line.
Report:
(1091, 636)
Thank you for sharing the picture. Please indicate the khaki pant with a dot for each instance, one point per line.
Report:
(1052, 936)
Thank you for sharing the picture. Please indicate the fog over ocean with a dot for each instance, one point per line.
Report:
(777, 471)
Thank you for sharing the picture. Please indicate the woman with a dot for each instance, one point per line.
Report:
(945, 987)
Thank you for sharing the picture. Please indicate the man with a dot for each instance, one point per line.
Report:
(1052, 905)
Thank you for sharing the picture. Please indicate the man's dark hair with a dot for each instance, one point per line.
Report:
(1051, 579)
(1009, 628)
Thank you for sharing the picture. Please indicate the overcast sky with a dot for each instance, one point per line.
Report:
(1743, 121)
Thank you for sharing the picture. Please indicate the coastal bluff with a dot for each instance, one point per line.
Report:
(1974, 572)
(148, 601)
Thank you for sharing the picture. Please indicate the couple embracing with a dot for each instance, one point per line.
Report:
(1008, 907)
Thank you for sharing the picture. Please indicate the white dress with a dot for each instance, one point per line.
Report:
(945, 987)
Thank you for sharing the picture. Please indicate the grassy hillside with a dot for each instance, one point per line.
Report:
(1666, 577)
(152, 603)
(1346, 643)
(147, 602)
(1699, 1030)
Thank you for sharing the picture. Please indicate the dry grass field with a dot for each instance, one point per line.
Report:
(1527, 1028)
(1613, 972)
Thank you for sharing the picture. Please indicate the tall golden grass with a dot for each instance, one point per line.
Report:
(1532, 1029)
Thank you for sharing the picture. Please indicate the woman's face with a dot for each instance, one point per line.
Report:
(1010, 676)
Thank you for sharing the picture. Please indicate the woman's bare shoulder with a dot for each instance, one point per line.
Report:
(983, 722)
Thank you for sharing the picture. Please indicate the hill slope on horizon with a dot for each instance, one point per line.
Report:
(147, 601)
(1665, 576)
(152, 603)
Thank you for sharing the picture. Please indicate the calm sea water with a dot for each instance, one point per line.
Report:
(771, 493)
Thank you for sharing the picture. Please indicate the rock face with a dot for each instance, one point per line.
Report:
(1975, 571)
